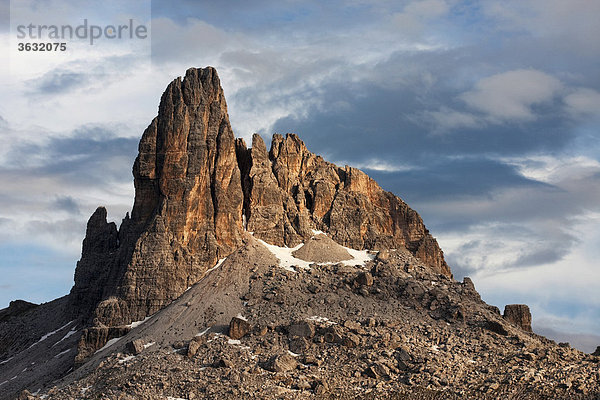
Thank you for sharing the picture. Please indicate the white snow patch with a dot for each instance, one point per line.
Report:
(293, 354)
(234, 341)
(316, 232)
(240, 316)
(323, 320)
(24, 370)
(3, 383)
(47, 335)
(435, 348)
(69, 334)
(174, 398)
(85, 389)
(149, 344)
(62, 353)
(203, 332)
(108, 344)
(138, 323)
(14, 377)
(286, 260)
(7, 360)
(217, 265)
(359, 257)
(124, 360)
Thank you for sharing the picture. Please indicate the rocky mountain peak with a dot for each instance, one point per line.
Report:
(199, 191)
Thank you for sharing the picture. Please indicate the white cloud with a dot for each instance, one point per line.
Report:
(415, 15)
(511, 95)
(583, 101)
(557, 171)
(376, 164)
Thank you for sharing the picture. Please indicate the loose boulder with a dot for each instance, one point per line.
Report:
(135, 347)
(519, 315)
(238, 328)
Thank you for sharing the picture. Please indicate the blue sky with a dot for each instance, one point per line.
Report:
(483, 115)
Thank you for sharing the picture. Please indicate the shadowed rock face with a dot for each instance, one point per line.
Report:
(195, 184)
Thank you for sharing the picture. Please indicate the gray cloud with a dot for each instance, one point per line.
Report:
(90, 154)
(67, 203)
(512, 94)
(58, 81)
(583, 342)
(70, 230)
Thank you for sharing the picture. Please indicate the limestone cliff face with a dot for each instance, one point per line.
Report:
(290, 191)
(198, 189)
(187, 212)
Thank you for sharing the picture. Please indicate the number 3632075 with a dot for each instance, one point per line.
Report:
(49, 46)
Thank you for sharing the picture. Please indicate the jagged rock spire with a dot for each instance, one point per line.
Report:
(187, 210)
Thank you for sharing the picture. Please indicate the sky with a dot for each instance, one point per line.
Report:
(484, 116)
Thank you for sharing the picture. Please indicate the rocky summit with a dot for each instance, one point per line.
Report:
(269, 273)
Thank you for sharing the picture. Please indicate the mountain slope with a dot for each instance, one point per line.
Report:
(263, 325)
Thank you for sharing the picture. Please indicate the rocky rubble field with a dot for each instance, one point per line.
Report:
(385, 329)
